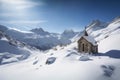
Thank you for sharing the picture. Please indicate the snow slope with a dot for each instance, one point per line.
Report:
(65, 63)
(113, 28)
(101, 30)
(111, 43)
(67, 66)
(12, 50)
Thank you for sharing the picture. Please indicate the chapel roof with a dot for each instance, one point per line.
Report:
(88, 38)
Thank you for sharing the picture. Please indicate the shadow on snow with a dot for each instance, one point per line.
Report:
(111, 53)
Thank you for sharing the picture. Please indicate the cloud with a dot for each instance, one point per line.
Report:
(19, 4)
(19, 9)
(23, 25)
(10, 14)
(24, 22)
(18, 29)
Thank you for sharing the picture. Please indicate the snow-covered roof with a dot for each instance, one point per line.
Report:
(90, 39)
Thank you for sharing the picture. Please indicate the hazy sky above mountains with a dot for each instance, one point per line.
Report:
(56, 15)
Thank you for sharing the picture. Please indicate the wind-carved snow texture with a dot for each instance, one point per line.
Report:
(108, 70)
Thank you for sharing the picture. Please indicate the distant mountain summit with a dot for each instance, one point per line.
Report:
(40, 31)
(68, 31)
(117, 18)
(68, 34)
(95, 25)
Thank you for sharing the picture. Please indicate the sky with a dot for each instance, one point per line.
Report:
(56, 15)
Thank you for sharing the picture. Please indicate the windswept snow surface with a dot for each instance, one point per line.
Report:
(68, 64)
(110, 43)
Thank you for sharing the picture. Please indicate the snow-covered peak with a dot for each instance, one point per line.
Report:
(111, 28)
(67, 34)
(115, 21)
(95, 21)
(117, 18)
(68, 31)
(96, 25)
(39, 31)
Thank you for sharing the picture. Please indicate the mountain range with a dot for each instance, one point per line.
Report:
(39, 38)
